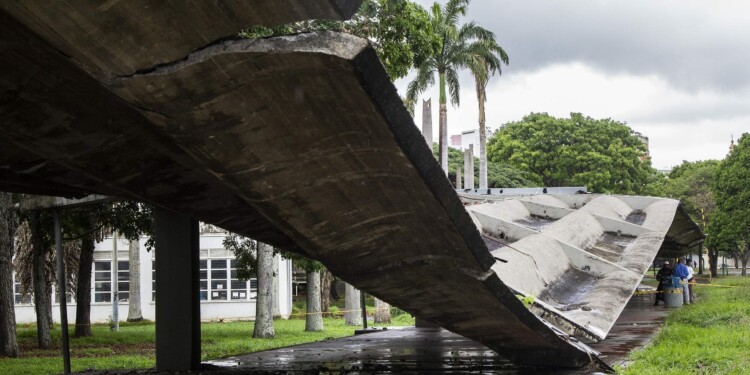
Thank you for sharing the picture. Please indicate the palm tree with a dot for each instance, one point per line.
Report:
(485, 59)
(453, 53)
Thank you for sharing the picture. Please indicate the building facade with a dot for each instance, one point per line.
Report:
(222, 294)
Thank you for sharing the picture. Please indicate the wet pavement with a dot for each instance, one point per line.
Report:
(410, 350)
(434, 350)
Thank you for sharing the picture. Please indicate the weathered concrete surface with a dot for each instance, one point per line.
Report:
(299, 141)
(580, 255)
(114, 38)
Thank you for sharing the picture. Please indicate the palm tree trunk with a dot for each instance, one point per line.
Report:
(443, 127)
(482, 136)
(8, 340)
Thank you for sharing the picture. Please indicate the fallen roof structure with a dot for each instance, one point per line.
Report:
(580, 255)
(298, 141)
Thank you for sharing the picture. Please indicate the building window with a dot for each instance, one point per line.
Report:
(103, 281)
(153, 280)
(219, 282)
(123, 280)
(19, 299)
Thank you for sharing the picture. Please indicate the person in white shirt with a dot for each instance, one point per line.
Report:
(691, 281)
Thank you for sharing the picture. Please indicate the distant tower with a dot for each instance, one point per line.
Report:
(427, 121)
(643, 140)
(731, 142)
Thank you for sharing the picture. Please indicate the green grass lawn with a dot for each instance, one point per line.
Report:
(709, 337)
(133, 346)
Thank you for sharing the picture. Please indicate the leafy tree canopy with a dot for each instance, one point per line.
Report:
(730, 228)
(690, 182)
(399, 30)
(603, 155)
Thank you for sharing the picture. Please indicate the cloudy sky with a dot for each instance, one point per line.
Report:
(677, 71)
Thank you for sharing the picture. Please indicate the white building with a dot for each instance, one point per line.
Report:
(222, 295)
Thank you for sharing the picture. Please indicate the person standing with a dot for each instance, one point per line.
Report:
(691, 280)
(681, 271)
(664, 276)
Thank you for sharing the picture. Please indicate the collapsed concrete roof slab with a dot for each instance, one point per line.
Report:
(115, 38)
(299, 141)
(580, 255)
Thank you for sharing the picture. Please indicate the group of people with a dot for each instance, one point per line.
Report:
(684, 270)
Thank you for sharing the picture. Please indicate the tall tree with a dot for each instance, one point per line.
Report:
(730, 227)
(264, 303)
(135, 314)
(484, 60)
(8, 222)
(382, 311)
(602, 154)
(256, 259)
(314, 316)
(352, 306)
(453, 53)
(41, 260)
(690, 182)
(83, 279)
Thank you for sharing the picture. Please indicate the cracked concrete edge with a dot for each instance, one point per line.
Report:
(342, 45)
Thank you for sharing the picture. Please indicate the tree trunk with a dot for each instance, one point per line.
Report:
(263, 304)
(382, 312)
(353, 314)
(314, 317)
(700, 259)
(8, 341)
(134, 282)
(443, 154)
(275, 307)
(427, 121)
(481, 97)
(325, 292)
(42, 303)
(443, 126)
(713, 259)
(83, 284)
(745, 258)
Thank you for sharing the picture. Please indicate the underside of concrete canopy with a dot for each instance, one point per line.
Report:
(299, 141)
(580, 256)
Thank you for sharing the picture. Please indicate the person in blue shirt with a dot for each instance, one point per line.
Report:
(681, 271)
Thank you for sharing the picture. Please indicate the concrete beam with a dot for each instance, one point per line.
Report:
(178, 330)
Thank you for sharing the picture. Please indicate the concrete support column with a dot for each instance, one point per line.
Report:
(458, 178)
(469, 167)
(178, 334)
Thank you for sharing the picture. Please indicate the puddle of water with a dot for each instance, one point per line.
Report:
(565, 293)
(610, 246)
(636, 217)
(534, 222)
